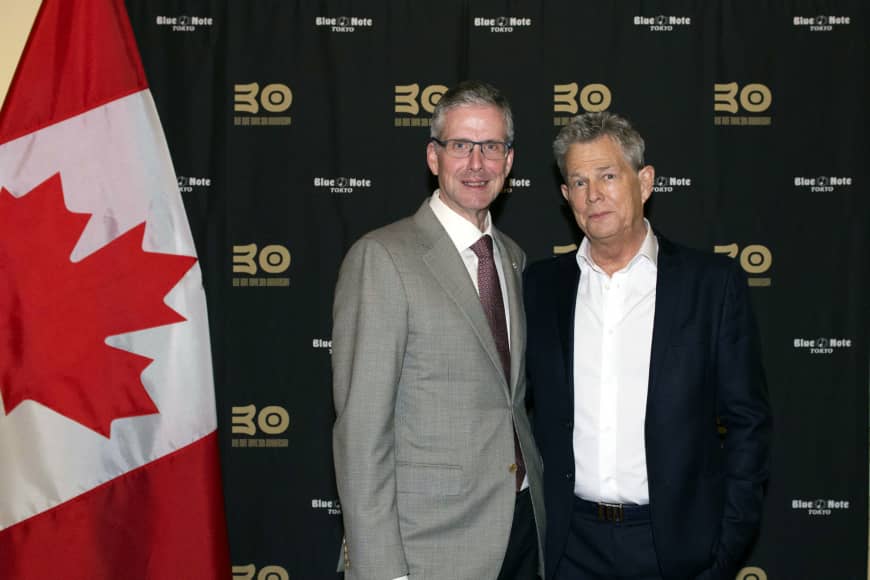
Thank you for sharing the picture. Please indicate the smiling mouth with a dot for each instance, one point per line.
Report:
(475, 183)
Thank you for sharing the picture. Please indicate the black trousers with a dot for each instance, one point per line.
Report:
(599, 549)
(521, 559)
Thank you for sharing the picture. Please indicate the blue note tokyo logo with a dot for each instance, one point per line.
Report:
(342, 184)
(823, 183)
(184, 23)
(822, 345)
(662, 22)
(502, 23)
(343, 23)
(820, 507)
(821, 22)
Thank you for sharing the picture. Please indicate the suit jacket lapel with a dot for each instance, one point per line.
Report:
(511, 270)
(565, 291)
(669, 288)
(447, 267)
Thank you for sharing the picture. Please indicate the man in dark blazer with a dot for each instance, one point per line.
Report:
(643, 362)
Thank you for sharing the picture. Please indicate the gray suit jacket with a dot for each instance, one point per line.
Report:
(423, 436)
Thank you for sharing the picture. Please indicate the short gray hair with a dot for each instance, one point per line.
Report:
(471, 93)
(590, 126)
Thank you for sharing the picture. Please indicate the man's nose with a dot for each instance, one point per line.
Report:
(593, 192)
(475, 159)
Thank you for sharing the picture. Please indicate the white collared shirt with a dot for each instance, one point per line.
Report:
(613, 324)
(464, 234)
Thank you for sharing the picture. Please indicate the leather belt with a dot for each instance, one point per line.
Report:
(612, 512)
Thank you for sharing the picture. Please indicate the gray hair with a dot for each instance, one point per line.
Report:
(471, 93)
(590, 126)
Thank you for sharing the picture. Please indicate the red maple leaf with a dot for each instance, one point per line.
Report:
(55, 315)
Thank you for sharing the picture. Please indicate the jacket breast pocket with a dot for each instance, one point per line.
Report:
(428, 478)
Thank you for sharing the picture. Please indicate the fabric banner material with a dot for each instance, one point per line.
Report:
(108, 450)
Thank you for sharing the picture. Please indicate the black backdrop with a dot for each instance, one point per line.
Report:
(295, 126)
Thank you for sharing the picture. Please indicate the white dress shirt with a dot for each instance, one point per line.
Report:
(613, 324)
(464, 234)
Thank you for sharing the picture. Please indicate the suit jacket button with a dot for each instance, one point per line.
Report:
(569, 475)
(512, 467)
(569, 424)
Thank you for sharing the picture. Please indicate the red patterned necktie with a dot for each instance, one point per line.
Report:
(489, 289)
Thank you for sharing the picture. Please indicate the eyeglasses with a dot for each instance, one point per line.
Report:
(462, 148)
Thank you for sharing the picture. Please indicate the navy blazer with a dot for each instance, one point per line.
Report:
(705, 488)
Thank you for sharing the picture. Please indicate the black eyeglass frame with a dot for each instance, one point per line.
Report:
(508, 145)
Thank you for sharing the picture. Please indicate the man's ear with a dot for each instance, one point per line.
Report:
(509, 162)
(647, 177)
(432, 158)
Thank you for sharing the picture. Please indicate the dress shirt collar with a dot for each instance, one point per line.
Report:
(649, 250)
(461, 231)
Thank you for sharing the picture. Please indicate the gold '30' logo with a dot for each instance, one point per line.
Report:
(406, 100)
(592, 98)
(271, 420)
(753, 98)
(274, 98)
(272, 259)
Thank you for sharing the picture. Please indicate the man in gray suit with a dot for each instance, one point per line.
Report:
(437, 471)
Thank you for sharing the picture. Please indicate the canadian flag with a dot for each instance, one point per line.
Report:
(108, 449)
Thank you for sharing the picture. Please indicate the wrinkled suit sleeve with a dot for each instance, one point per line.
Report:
(744, 411)
(370, 326)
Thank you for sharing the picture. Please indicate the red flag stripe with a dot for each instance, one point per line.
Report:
(79, 55)
(158, 521)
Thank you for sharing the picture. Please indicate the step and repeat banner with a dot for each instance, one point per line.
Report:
(297, 126)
